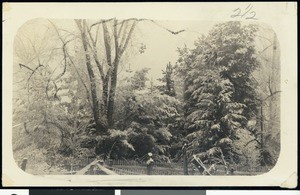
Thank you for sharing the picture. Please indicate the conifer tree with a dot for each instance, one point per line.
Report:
(219, 91)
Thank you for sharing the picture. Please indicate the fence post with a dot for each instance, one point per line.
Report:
(24, 163)
(185, 160)
(110, 162)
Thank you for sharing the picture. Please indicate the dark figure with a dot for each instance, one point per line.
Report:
(150, 164)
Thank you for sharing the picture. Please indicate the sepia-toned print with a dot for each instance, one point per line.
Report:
(139, 96)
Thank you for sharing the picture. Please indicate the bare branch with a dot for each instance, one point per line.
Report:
(66, 54)
(21, 81)
(269, 85)
(96, 38)
(128, 38)
(34, 49)
(107, 43)
(171, 31)
(64, 44)
(22, 65)
(56, 89)
(70, 33)
(78, 22)
(94, 42)
(133, 19)
(249, 142)
(101, 22)
(94, 49)
(40, 65)
(124, 34)
(260, 53)
(120, 30)
(265, 38)
(273, 93)
(116, 39)
(28, 80)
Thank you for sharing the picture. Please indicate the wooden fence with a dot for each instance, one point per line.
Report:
(129, 171)
(132, 167)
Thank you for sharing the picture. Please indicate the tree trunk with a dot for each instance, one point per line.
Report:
(112, 94)
(96, 110)
(105, 83)
(119, 50)
(93, 90)
(109, 80)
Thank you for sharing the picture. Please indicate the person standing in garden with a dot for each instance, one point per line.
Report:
(150, 164)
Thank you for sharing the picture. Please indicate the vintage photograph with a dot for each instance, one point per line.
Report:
(149, 94)
(139, 96)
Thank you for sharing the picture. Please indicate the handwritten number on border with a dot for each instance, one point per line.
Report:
(248, 13)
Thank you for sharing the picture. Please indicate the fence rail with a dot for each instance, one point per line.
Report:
(141, 163)
(134, 167)
(128, 171)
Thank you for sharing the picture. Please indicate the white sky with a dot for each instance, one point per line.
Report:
(161, 45)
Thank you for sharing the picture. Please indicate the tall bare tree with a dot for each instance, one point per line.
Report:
(116, 37)
(104, 44)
